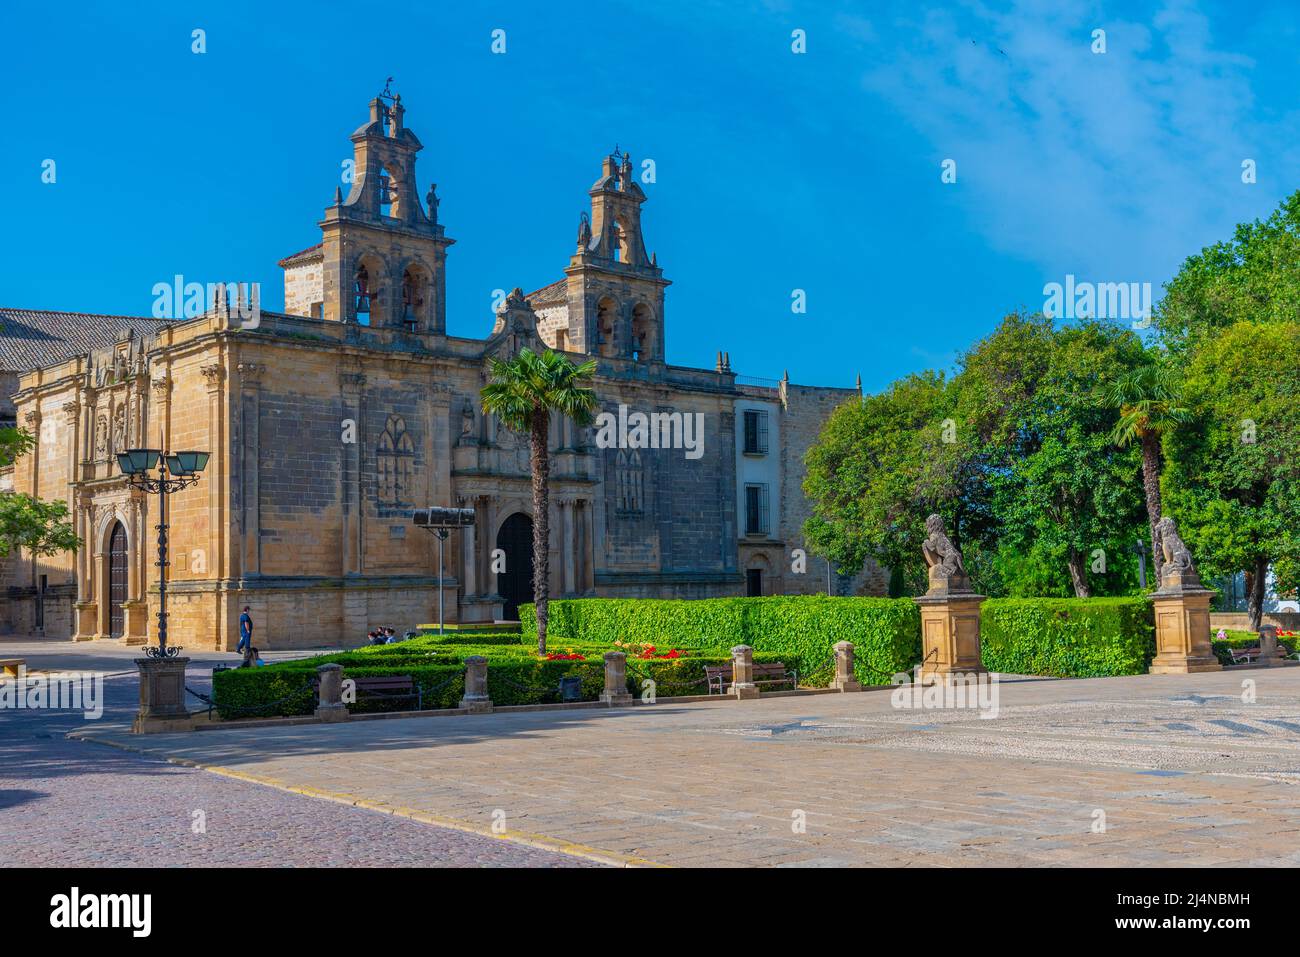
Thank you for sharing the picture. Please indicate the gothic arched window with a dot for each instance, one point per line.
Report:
(629, 483)
(395, 463)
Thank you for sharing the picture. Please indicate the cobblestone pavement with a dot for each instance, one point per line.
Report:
(1178, 769)
(70, 803)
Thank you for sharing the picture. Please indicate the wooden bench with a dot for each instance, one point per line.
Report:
(10, 666)
(1244, 654)
(775, 673)
(386, 688)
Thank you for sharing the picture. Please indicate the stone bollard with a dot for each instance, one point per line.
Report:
(1268, 645)
(162, 696)
(844, 677)
(616, 694)
(331, 706)
(742, 672)
(476, 699)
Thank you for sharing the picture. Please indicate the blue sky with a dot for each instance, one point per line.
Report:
(775, 171)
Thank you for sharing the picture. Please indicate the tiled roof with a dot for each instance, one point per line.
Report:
(311, 252)
(32, 338)
(555, 292)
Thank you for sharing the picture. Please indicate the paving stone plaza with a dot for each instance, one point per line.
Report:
(1195, 770)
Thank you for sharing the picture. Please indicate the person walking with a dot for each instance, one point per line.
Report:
(245, 631)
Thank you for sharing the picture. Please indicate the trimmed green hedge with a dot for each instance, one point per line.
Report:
(1067, 637)
(886, 632)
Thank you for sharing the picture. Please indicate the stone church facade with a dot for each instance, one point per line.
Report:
(330, 422)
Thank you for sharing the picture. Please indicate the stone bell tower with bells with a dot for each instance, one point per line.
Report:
(384, 252)
(615, 288)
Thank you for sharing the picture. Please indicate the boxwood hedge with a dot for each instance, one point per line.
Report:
(886, 632)
(1067, 637)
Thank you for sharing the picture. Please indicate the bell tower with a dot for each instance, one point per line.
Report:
(615, 289)
(384, 254)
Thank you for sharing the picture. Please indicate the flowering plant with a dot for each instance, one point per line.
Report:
(1222, 635)
(568, 655)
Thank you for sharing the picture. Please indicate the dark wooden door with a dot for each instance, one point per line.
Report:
(116, 580)
(515, 584)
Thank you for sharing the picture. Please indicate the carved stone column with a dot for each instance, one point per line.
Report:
(569, 586)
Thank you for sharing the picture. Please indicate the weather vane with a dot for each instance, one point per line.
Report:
(388, 92)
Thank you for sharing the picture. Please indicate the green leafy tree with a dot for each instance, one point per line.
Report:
(1149, 408)
(1253, 277)
(523, 393)
(1062, 492)
(26, 522)
(880, 466)
(1232, 478)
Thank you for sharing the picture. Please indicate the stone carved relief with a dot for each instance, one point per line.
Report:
(101, 436)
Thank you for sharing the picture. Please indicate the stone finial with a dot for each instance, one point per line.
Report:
(718, 367)
(859, 384)
(1176, 568)
(947, 571)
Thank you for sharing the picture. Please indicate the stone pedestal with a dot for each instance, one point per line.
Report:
(616, 694)
(135, 622)
(86, 616)
(844, 678)
(742, 673)
(950, 634)
(476, 699)
(330, 706)
(1268, 646)
(1182, 630)
(162, 696)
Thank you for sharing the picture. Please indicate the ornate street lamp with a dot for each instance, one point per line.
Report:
(176, 470)
(441, 521)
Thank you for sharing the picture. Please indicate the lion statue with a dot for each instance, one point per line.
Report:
(947, 572)
(1176, 567)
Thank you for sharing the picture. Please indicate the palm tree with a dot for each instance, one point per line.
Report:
(1149, 406)
(523, 393)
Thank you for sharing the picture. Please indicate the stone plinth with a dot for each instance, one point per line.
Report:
(742, 673)
(1183, 631)
(162, 695)
(950, 634)
(476, 699)
(330, 706)
(844, 678)
(616, 694)
(1268, 646)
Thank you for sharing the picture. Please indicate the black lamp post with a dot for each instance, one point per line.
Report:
(440, 521)
(176, 470)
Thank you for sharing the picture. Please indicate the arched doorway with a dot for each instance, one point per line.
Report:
(117, 575)
(515, 584)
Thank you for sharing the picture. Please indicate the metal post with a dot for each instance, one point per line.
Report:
(442, 537)
(162, 560)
